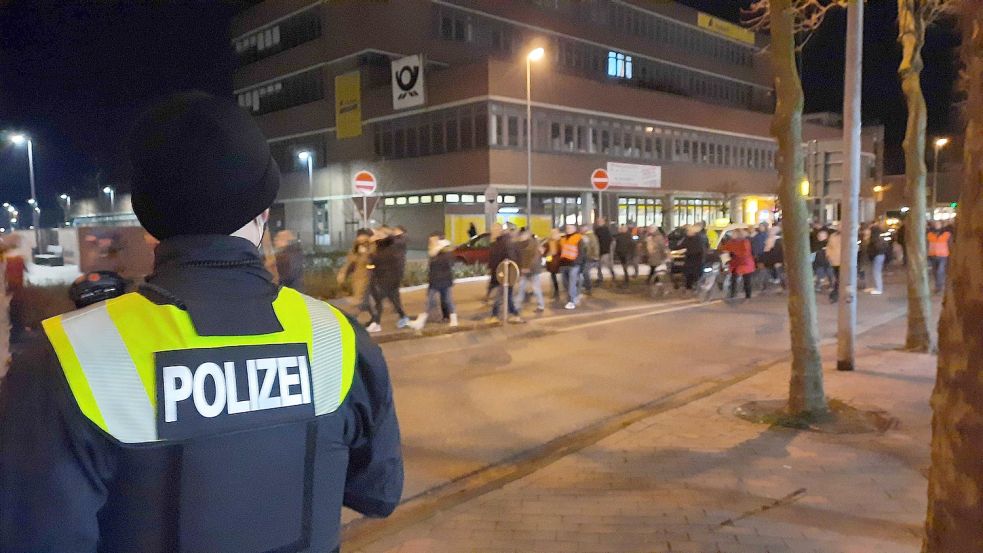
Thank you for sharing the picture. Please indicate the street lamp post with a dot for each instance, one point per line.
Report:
(111, 192)
(66, 206)
(308, 157)
(535, 55)
(939, 144)
(35, 211)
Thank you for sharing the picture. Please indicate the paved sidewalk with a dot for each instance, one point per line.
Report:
(672, 482)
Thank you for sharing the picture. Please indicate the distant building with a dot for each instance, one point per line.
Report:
(646, 83)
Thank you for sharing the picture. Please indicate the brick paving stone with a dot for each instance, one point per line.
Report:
(665, 484)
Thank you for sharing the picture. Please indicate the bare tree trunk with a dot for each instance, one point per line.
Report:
(806, 395)
(955, 485)
(911, 34)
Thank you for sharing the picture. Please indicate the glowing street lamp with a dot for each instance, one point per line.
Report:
(940, 143)
(17, 139)
(111, 192)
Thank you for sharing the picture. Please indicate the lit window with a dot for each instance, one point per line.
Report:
(439, 198)
(390, 201)
(413, 200)
(510, 199)
(401, 200)
(480, 199)
(466, 198)
(453, 198)
(619, 65)
(426, 199)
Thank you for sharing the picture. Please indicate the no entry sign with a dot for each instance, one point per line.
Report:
(599, 180)
(364, 183)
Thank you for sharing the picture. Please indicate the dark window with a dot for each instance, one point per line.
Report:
(513, 131)
(424, 134)
(437, 136)
(452, 143)
(399, 143)
(467, 132)
(481, 128)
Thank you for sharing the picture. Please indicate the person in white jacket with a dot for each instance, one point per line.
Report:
(833, 253)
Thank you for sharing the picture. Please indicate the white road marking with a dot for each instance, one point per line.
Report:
(688, 305)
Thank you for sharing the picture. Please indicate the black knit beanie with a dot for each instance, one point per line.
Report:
(199, 165)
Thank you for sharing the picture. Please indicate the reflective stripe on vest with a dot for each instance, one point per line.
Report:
(938, 244)
(106, 352)
(570, 247)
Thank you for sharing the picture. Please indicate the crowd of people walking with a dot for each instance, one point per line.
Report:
(578, 258)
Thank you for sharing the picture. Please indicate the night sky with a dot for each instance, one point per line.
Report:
(74, 75)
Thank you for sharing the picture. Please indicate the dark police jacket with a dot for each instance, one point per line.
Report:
(266, 471)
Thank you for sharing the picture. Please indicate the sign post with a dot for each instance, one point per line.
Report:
(364, 185)
(508, 274)
(599, 181)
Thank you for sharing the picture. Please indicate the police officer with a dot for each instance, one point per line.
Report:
(210, 411)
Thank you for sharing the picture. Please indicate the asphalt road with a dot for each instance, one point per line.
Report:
(467, 401)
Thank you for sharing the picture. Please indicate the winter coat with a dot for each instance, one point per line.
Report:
(876, 245)
(774, 255)
(389, 261)
(758, 244)
(604, 238)
(553, 256)
(530, 257)
(440, 269)
(741, 260)
(834, 248)
(501, 249)
(656, 250)
(591, 246)
(357, 266)
(695, 251)
(624, 245)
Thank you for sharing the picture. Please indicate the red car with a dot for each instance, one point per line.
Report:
(474, 250)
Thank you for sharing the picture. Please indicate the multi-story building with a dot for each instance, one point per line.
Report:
(643, 83)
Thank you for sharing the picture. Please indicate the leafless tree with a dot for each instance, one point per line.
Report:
(914, 16)
(787, 19)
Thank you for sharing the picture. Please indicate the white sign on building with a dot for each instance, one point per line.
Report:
(632, 175)
(408, 89)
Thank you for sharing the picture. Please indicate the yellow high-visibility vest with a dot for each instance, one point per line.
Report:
(107, 352)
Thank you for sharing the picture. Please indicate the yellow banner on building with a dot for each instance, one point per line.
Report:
(348, 104)
(725, 28)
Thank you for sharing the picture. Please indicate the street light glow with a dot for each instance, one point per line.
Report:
(107, 190)
(64, 196)
(804, 187)
(878, 188)
(304, 156)
(536, 54)
(18, 138)
(30, 201)
(940, 142)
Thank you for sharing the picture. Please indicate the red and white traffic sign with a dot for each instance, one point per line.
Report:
(364, 183)
(599, 180)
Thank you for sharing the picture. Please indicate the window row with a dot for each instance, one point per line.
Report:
(556, 131)
(284, 93)
(438, 132)
(624, 19)
(399, 201)
(593, 62)
(293, 31)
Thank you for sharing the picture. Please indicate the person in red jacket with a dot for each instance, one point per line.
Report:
(741, 261)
